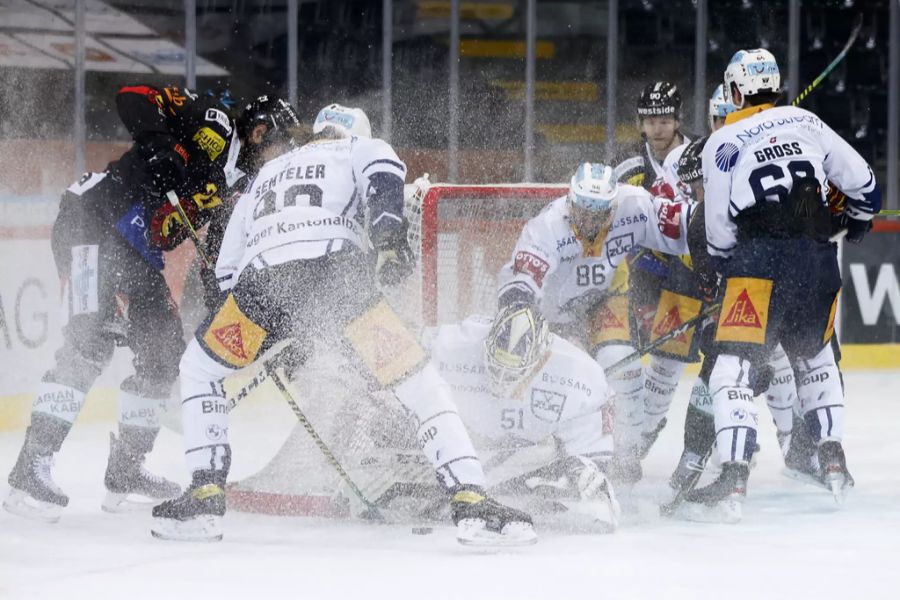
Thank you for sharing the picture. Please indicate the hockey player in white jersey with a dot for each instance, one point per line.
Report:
(767, 225)
(564, 263)
(296, 257)
(517, 385)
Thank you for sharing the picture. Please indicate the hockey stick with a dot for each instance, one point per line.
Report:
(837, 59)
(270, 367)
(176, 204)
(889, 212)
(668, 336)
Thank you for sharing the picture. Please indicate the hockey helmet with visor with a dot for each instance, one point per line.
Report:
(592, 199)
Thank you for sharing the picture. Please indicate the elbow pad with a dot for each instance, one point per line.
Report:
(385, 201)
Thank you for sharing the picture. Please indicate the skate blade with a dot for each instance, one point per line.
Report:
(123, 503)
(21, 504)
(837, 485)
(205, 528)
(803, 477)
(725, 512)
(472, 532)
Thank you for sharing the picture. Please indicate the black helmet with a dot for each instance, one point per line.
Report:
(275, 113)
(690, 165)
(660, 99)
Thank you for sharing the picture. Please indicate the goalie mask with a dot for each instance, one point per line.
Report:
(592, 199)
(515, 348)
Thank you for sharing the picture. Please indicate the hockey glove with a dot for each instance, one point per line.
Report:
(856, 229)
(590, 481)
(166, 227)
(395, 258)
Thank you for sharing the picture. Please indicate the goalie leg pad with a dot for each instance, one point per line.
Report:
(442, 436)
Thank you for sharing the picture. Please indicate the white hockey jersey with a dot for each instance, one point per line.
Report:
(554, 267)
(304, 204)
(566, 399)
(678, 188)
(758, 154)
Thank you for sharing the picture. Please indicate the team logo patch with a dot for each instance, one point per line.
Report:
(210, 142)
(546, 405)
(619, 246)
(384, 344)
(609, 322)
(529, 264)
(726, 156)
(745, 311)
(739, 415)
(232, 337)
(672, 312)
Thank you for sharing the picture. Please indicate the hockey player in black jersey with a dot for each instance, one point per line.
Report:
(107, 242)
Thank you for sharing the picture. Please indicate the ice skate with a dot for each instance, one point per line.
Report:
(196, 515)
(721, 501)
(833, 471)
(33, 493)
(127, 477)
(801, 461)
(684, 478)
(482, 521)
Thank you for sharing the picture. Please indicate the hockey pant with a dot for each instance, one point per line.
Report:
(776, 291)
(333, 298)
(112, 297)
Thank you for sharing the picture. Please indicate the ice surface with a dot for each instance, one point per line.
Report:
(793, 542)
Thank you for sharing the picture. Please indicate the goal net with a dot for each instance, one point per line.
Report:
(462, 235)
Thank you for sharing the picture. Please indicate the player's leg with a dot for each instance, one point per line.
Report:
(229, 340)
(818, 378)
(393, 357)
(88, 344)
(610, 331)
(679, 301)
(155, 336)
(753, 309)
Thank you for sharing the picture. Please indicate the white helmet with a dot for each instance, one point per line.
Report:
(514, 348)
(753, 72)
(593, 187)
(718, 106)
(592, 199)
(348, 121)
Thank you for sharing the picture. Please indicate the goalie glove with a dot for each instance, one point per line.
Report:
(598, 501)
(395, 260)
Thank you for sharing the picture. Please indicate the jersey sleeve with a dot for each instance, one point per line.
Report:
(234, 240)
(721, 231)
(140, 109)
(665, 230)
(380, 175)
(852, 174)
(534, 258)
